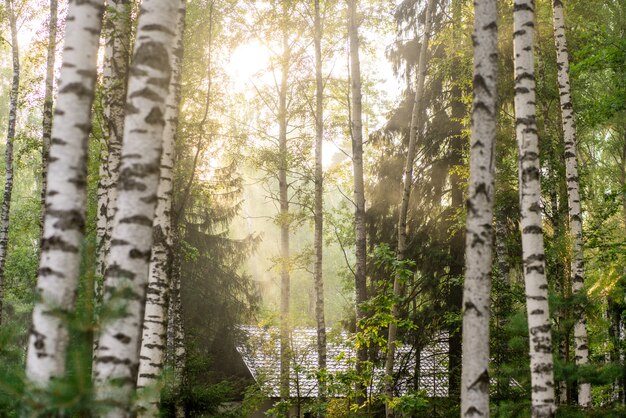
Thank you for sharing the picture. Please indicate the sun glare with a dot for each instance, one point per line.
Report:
(247, 62)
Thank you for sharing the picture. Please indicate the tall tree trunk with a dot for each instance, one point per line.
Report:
(175, 346)
(117, 28)
(8, 156)
(541, 365)
(152, 353)
(64, 221)
(480, 203)
(285, 356)
(356, 129)
(115, 75)
(48, 103)
(421, 72)
(573, 196)
(126, 275)
(319, 202)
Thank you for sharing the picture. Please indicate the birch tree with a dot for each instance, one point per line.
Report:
(126, 275)
(115, 74)
(116, 29)
(577, 269)
(8, 156)
(404, 204)
(319, 199)
(541, 365)
(64, 221)
(48, 103)
(153, 339)
(480, 203)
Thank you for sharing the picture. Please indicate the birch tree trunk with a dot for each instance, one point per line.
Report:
(48, 103)
(541, 365)
(573, 195)
(117, 27)
(8, 156)
(480, 203)
(404, 206)
(64, 222)
(126, 275)
(356, 130)
(175, 347)
(153, 341)
(319, 201)
(285, 356)
(115, 75)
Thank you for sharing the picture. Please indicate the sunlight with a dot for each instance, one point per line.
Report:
(247, 61)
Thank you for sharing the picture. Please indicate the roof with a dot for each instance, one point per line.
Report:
(260, 350)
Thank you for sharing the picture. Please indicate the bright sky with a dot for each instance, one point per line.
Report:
(247, 68)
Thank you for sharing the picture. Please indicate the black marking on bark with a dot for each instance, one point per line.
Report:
(116, 242)
(138, 220)
(149, 199)
(157, 28)
(162, 82)
(67, 219)
(57, 243)
(471, 306)
(79, 89)
(154, 55)
(479, 82)
(146, 93)
(47, 271)
(155, 117)
(518, 7)
(123, 338)
(530, 174)
(115, 270)
(138, 254)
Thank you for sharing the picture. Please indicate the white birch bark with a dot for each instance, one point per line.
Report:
(573, 195)
(66, 194)
(180, 351)
(117, 27)
(48, 103)
(541, 364)
(480, 203)
(126, 275)
(422, 70)
(153, 341)
(115, 75)
(8, 158)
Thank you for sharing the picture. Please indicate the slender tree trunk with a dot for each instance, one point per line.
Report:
(64, 222)
(356, 130)
(319, 202)
(180, 351)
(480, 203)
(541, 365)
(126, 275)
(48, 103)
(175, 347)
(152, 353)
(404, 206)
(117, 27)
(8, 156)
(285, 355)
(115, 75)
(573, 196)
